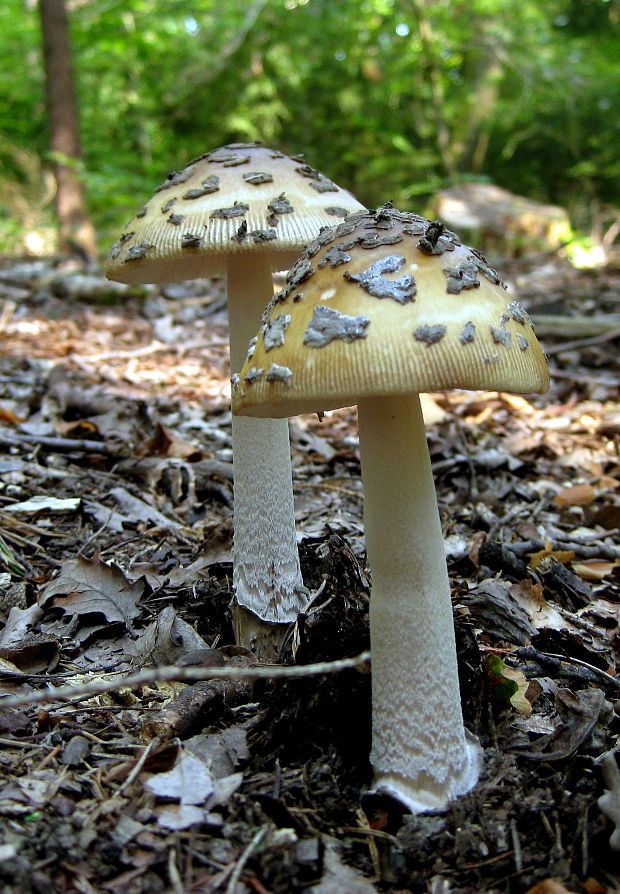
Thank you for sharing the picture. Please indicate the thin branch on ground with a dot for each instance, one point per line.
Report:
(184, 675)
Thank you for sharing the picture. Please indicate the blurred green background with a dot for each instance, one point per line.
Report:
(391, 98)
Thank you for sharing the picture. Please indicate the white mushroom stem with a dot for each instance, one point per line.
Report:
(266, 574)
(421, 752)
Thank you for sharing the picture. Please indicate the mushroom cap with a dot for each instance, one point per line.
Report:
(238, 198)
(386, 302)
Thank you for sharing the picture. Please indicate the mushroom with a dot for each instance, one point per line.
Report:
(391, 305)
(242, 211)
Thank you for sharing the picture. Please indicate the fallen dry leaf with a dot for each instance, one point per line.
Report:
(167, 639)
(90, 586)
(179, 816)
(560, 555)
(578, 713)
(189, 782)
(594, 569)
(576, 495)
(41, 502)
(507, 684)
(549, 886)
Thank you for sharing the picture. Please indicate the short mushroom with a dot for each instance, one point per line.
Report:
(241, 211)
(391, 305)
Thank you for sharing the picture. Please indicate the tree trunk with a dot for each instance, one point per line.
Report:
(432, 64)
(76, 229)
(471, 152)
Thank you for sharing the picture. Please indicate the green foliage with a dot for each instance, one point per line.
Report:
(391, 98)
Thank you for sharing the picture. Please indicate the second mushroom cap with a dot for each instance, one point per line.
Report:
(238, 199)
(387, 302)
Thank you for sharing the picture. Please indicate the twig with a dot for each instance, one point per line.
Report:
(173, 872)
(516, 843)
(138, 767)
(583, 342)
(62, 444)
(155, 347)
(6, 313)
(529, 653)
(327, 485)
(243, 859)
(575, 326)
(184, 675)
(580, 546)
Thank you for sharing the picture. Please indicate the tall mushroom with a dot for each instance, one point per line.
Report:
(242, 211)
(392, 305)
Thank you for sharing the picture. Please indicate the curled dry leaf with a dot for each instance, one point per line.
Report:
(579, 713)
(90, 586)
(508, 684)
(167, 639)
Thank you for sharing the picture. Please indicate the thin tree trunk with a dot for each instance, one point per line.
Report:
(76, 229)
(420, 9)
(471, 152)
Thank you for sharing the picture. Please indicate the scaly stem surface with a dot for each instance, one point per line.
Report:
(266, 573)
(421, 753)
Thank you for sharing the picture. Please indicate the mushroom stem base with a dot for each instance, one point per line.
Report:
(265, 640)
(266, 572)
(421, 753)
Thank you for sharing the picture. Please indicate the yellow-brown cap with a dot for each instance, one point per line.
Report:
(386, 302)
(238, 198)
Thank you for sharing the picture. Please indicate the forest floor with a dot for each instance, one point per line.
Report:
(115, 519)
